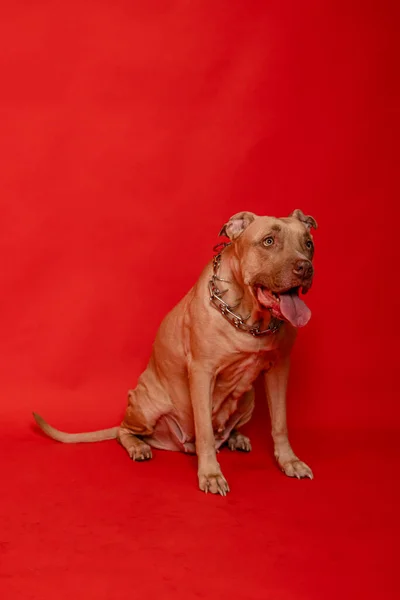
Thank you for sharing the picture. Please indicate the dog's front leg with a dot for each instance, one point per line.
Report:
(276, 380)
(201, 390)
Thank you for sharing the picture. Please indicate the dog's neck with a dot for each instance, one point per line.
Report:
(238, 293)
(228, 285)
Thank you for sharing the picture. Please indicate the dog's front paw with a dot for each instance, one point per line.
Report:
(296, 468)
(215, 483)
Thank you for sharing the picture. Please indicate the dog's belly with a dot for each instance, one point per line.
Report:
(231, 407)
(232, 383)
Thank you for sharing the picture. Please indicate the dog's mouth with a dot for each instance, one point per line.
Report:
(286, 305)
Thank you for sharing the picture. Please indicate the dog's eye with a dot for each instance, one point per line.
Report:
(309, 244)
(268, 241)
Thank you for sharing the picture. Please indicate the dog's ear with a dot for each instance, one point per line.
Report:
(237, 224)
(308, 220)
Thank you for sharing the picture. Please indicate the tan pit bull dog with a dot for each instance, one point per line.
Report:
(239, 320)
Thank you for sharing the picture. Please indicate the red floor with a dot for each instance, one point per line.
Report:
(85, 522)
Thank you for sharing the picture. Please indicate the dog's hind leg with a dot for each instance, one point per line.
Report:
(236, 440)
(136, 424)
(135, 447)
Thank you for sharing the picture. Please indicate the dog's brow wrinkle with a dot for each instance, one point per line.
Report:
(276, 228)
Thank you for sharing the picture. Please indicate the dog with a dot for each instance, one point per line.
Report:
(238, 321)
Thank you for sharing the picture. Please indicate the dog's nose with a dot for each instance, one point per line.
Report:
(304, 269)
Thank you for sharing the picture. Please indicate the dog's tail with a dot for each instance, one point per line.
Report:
(74, 438)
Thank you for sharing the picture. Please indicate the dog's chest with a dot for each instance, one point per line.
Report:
(236, 379)
(233, 381)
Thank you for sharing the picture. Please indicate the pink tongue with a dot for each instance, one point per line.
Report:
(294, 309)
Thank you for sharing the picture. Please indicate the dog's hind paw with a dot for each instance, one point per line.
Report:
(140, 452)
(238, 441)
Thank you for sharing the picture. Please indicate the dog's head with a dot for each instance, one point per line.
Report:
(275, 260)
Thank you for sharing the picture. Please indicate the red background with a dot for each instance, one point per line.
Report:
(130, 132)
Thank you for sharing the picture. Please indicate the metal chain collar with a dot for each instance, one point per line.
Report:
(227, 311)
